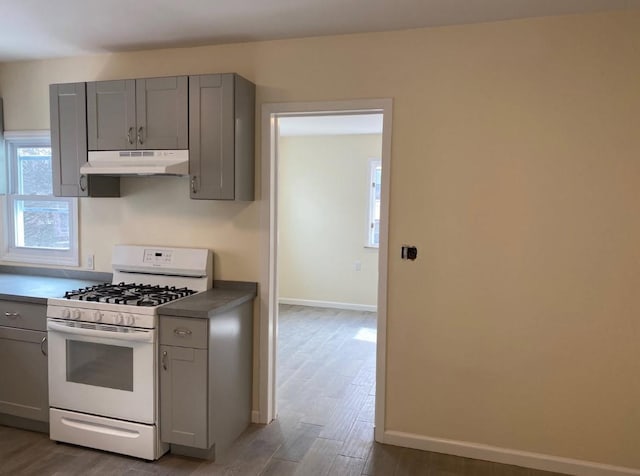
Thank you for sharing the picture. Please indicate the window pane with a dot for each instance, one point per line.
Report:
(375, 176)
(42, 224)
(377, 179)
(34, 171)
(375, 239)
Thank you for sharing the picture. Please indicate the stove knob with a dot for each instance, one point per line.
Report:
(97, 316)
(75, 314)
(130, 320)
(119, 318)
(66, 314)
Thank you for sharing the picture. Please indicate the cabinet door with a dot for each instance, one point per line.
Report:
(68, 138)
(24, 392)
(162, 113)
(183, 396)
(211, 136)
(111, 115)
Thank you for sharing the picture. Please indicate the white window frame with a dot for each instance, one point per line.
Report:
(11, 252)
(373, 165)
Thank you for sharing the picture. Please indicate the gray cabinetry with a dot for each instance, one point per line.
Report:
(69, 145)
(147, 113)
(183, 387)
(162, 113)
(221, 137)
(205, 380)
(24, 393)
(184, 379)
(111, 115)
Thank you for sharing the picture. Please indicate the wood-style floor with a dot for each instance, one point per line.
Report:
(326, 399)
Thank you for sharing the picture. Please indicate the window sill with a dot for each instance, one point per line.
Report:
(37, 258)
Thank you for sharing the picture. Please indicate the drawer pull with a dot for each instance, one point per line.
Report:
(182, 332)
(164, 360)
(12, 315)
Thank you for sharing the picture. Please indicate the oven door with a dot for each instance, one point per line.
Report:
(103, 370)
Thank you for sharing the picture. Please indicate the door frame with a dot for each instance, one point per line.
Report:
(268, 335)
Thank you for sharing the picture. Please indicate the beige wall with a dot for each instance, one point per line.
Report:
(323, 204)
(514, 170)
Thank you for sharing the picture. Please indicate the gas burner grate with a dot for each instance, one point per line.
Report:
(130, 294)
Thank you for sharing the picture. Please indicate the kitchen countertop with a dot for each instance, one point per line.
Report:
(223, 296)
(36, 285)
(37, 289)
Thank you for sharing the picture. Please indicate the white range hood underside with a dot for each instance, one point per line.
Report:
(137, 162)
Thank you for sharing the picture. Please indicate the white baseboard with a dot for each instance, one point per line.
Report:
(329, 304)
(505, 455)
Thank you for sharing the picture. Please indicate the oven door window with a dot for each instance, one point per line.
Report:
(100, 365)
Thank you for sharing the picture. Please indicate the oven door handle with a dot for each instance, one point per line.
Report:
(139, 336)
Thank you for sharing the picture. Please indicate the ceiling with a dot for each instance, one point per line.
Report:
(34, 29)
(334, 124)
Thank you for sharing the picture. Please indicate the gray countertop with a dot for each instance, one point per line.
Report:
(225, 295)
(36, 289)
(36, 285)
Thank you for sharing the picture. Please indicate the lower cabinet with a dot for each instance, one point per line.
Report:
(183, 387)
(24, 392)
(205, 380)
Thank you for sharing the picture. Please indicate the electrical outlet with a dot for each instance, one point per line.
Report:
(90, 261)
(357, 266)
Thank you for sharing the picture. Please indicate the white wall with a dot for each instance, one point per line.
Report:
(323, 205)
(514, 170)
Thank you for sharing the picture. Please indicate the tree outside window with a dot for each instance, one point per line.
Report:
(40, 227)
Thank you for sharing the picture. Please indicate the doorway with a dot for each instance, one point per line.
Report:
(272, 114)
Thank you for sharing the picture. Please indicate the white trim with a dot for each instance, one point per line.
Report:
(505, 455)
(329, 304)
(383, 256)
(268, 249)
(38, 134)
(255, 416)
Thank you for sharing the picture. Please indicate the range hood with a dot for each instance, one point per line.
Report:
(137, 162)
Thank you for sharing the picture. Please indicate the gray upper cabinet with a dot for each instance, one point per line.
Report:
(162, 113)
(69, 145)
(138, 114)
(221, 137)
(111, 115)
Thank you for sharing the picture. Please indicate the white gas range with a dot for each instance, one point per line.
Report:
(103, 372)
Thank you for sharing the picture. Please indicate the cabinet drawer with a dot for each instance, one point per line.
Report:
(23, 315)
(183, 332)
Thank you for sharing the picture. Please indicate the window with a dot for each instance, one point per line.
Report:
(40, 228)
(373, 223)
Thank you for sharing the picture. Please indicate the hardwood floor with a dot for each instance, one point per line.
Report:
(326, 386)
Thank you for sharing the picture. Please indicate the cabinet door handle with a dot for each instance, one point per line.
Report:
(130, 135)
(83, 178)
(194, 189)
(43, 346)
(140, 141)
(164, 359)
(182, 332)
(12, 315)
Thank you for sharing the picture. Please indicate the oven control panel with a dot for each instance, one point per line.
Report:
(157, 257)
(102, 316)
